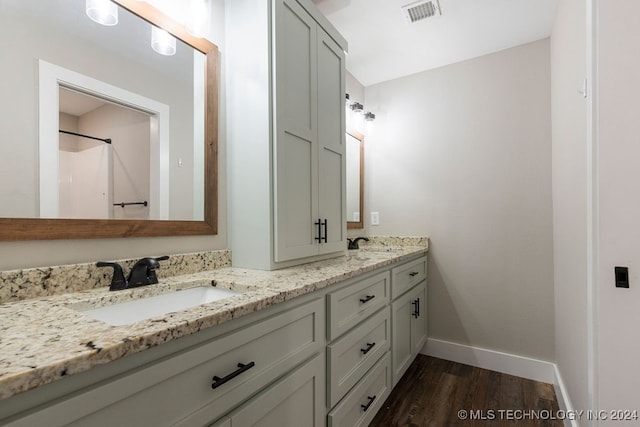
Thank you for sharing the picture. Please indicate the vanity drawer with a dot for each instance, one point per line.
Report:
(363, 402)
(180, 386)
(351, 356)
(350, 305)
(407, 275)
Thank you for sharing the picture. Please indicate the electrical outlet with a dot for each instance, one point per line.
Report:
(375, 218)
(622, 277)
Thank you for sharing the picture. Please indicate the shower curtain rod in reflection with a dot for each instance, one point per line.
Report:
(107, 140)
(123, 204)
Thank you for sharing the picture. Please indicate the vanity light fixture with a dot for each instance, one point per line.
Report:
(162, 42)
(369, 116)
(357, 107)
(103, 12)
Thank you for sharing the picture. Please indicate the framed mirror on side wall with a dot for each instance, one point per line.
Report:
(60, 60)
(355, 179)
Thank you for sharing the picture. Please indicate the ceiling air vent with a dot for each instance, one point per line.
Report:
(420, 10)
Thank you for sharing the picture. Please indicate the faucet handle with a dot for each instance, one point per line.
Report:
(151, 270)
(144, 271)
(118, 281)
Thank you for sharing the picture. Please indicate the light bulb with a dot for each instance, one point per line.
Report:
(103, 12)
(162, 42)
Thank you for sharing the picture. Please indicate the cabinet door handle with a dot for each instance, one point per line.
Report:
(324, 224)
(318, 224)
(367, 299)
(217, 381)
(371, 400)
(366, 350)
(416, 305)
(413, 273)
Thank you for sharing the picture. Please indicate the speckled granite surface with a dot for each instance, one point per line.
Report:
(44, 339)
(17, 285)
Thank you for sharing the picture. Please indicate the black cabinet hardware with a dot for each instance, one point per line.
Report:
(416, 307)
(366, 350)
(217, 381)
(413, 273)
(318, 224)
(324, 224)
(371, 400)
(367, 299)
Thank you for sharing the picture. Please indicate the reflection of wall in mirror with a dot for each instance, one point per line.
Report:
(353, 178)
(83, 179)
(18, 119)
(129, 132)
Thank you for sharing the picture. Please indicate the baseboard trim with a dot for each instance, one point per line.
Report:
(564, 403)
(525, 367)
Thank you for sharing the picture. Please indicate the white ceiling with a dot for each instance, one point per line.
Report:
(383, 46)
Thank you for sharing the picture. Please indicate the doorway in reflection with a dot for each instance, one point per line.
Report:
(103, 158)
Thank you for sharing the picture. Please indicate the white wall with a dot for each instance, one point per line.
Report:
(463, 154)
(129, 132)
(618, 107)
(41, 253)
(570, 172)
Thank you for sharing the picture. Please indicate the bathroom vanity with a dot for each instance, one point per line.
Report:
(313, 345)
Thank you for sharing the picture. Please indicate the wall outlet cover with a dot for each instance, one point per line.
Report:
(375, 218)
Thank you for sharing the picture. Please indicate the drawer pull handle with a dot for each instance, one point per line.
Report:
(416, 305)
(367, 299)
(368, 348)
(413, 273)
(217, 381)
(371, 400)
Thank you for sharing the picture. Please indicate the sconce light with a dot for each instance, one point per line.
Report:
(162, 42)
(369, 116)
(357, 107)
(103, 12)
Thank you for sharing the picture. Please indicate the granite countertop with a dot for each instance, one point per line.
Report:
(44, 339)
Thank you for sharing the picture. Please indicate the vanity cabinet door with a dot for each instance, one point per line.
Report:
(297, 400)
(296, 133)
(331, 144)
(409, 325)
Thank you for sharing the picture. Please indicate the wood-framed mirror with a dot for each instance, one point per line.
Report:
(355, 179)
(37, 227)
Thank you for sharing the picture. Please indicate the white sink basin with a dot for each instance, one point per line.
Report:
(133, 311)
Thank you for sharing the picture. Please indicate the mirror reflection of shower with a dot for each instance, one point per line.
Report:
(103, 158)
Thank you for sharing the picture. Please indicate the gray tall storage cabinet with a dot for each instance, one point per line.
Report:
(285, 133)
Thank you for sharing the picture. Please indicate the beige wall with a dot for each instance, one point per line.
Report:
(570, 172)
(463, 154)
(41, 253)
(618, 177)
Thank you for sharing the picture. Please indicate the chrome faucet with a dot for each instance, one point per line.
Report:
(143, 273)
(353, 243)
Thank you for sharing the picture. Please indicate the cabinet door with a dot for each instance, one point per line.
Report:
(295, 159)
(331, 144)
(297, 400)
(419, 322)
(401, 310)
(409, 325)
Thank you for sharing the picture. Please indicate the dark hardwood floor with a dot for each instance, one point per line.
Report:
(436, 392)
